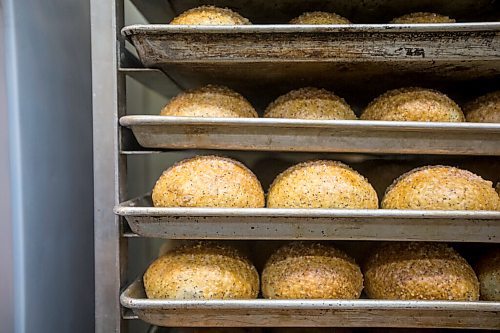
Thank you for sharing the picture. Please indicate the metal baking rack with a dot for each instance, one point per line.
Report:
(463, 59)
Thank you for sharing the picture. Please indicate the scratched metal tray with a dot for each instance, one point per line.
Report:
(312, 313)
(469, 49)
(366, 11)
(339, 224)
(315, 136)
(379, 11)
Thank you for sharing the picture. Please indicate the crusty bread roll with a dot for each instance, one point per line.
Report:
(311, 271)
(419, 270)
(310, 103)
(205, 270)
(208, 181)
(484, 109)
(209, 101)
(319, 18)
(422, 17)
(413, 104)
(488, 272)
(441, 188)
(321, 184)
(210, 15)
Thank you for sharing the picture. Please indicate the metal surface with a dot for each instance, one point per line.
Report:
(366, 11)
(154, 79)
(49, 101)
(339, 224)
(154, 10)
(315, 136)
(313, 313)
(156, 329)
(345, 59)
(7, 260)
(341, 61)
(276, 11)
(129, 315)
(109, 166)
(438, 45)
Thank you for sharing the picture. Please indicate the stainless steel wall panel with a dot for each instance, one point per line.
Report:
(47, 50)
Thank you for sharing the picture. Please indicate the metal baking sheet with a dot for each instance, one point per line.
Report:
(163, 43)
(310, 313)
(366, 11)
(443, 49)
(309, 224)
(315, 136)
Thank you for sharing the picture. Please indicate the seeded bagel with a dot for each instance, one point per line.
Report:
(319, 18)
(210, 15)
(208, 181)
(419, 270)
(310, 103)
(209, 101)
(488, 272)
(321, 184)
(311, 271)
(485, 109)
(413, 104)
(205, 270)
(441, 188)
(422, 17)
